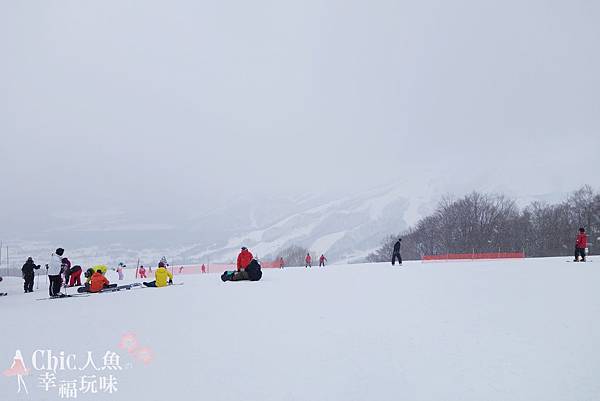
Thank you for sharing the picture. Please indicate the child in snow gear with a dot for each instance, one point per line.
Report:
(54, 269)
(580, 245)
(66, 270)
(396, 254)
(281, 263)
(28, 274)
(160, 276)
(142, 272)
(322, 260)
(308, 260)
(75, 276)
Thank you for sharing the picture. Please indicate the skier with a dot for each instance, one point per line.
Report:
(75, 276)
(160, 277)
(247, 268)
(180, 269)
(308, 260)
(119, 270)
(322, 260)
(28, 274)
(396, 253)
(54, 269)
(281, 264)
(203, 268)
(580, 245)
(142, 272)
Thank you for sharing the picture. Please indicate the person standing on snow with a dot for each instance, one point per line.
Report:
(396, 253)
(308, 260)
(322, 260)
(160, 276)
(203, 268)
(580, 245)
(120, 271)
(142, 272)
(281, 264)
(28, 274)
(54, 269)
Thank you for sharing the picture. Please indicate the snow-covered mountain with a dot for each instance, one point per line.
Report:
(344, 228)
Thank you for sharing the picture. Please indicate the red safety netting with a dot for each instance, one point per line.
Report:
(210, 268)
(474, 256)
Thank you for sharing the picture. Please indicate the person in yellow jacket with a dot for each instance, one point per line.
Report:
(160, 276)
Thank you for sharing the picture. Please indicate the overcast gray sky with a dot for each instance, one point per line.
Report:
(180, 104)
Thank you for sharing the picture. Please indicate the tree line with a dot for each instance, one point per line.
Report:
(481, 222)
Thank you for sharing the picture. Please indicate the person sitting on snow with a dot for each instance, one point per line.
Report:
(247, 268)
(161, 276)
(98, 282)
(90, 272)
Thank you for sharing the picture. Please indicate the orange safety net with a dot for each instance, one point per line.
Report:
(475, 256)
(213, 267)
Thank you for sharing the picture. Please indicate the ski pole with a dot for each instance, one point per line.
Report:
(37, 282)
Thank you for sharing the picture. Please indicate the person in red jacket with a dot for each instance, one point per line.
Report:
(244, 259)
(322, 261)
(98, 282)
(580, 245)
(308, 260)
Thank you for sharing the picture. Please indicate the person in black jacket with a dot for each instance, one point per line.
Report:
(28, 274)
(396, 254)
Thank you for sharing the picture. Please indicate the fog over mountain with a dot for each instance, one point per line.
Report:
(144, 128)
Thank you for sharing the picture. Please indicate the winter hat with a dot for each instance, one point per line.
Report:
(244, 248)
(60, 251)
(161, 264)
(581, 229)
(30, 259)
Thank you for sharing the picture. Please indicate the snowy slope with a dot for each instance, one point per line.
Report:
(504, 330)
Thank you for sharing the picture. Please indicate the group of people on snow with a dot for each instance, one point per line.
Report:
(60, 272)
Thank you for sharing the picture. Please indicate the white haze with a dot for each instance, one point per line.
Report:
(145, 114)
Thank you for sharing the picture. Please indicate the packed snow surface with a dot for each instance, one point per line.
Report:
(487, 330)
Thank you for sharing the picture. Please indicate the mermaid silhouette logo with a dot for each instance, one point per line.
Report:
(18, 369)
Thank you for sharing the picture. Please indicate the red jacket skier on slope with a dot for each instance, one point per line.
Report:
(244, 259)
(580, 245)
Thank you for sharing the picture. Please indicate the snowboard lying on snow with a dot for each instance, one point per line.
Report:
(111, 288)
